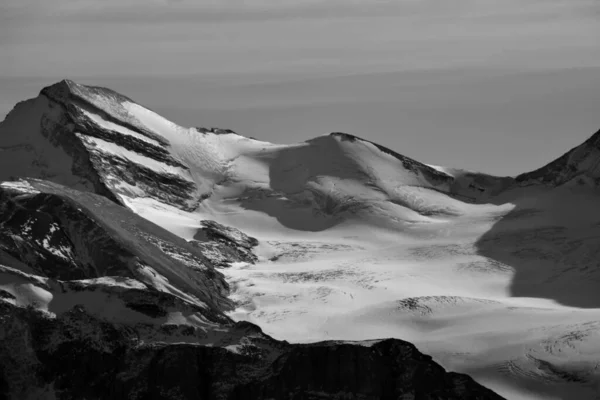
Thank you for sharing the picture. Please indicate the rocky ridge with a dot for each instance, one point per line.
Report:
(110, 361)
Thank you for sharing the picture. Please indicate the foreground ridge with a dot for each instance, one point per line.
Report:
(80, 356)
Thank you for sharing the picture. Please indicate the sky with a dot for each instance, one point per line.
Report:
(498, 86)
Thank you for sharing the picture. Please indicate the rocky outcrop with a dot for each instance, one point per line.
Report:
(224, 245)
(216, 131)
(108, 361)
(387, 369)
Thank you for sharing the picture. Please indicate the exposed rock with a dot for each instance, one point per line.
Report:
(223, 244)
(217, 131)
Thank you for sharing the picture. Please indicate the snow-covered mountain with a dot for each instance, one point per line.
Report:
(158, 237)
(94, 139)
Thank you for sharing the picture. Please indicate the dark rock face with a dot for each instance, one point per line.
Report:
(223, 244)
(216, 131)
(387, 369)
(107, 361)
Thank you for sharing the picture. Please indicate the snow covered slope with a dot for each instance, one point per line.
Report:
(506, 293)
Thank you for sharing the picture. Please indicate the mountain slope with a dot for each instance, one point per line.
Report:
(98, 303)
(61, 233)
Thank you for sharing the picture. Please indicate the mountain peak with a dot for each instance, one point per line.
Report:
(59, 89)
(63, 89)
(94, 139)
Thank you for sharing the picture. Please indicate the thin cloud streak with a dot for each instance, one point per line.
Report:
(487, 33)
(113, 11)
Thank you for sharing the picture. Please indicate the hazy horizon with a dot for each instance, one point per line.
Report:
(496, 86)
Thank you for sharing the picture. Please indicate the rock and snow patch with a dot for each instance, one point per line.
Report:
(114, 150)
(21, 186)
(114, 281)
(111, 126)
(152, 121)
(25, 290)
(64, 252)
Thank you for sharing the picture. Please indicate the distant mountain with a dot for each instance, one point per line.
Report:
(110, 277)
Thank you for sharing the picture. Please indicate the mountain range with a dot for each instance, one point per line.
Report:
(142, 259)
